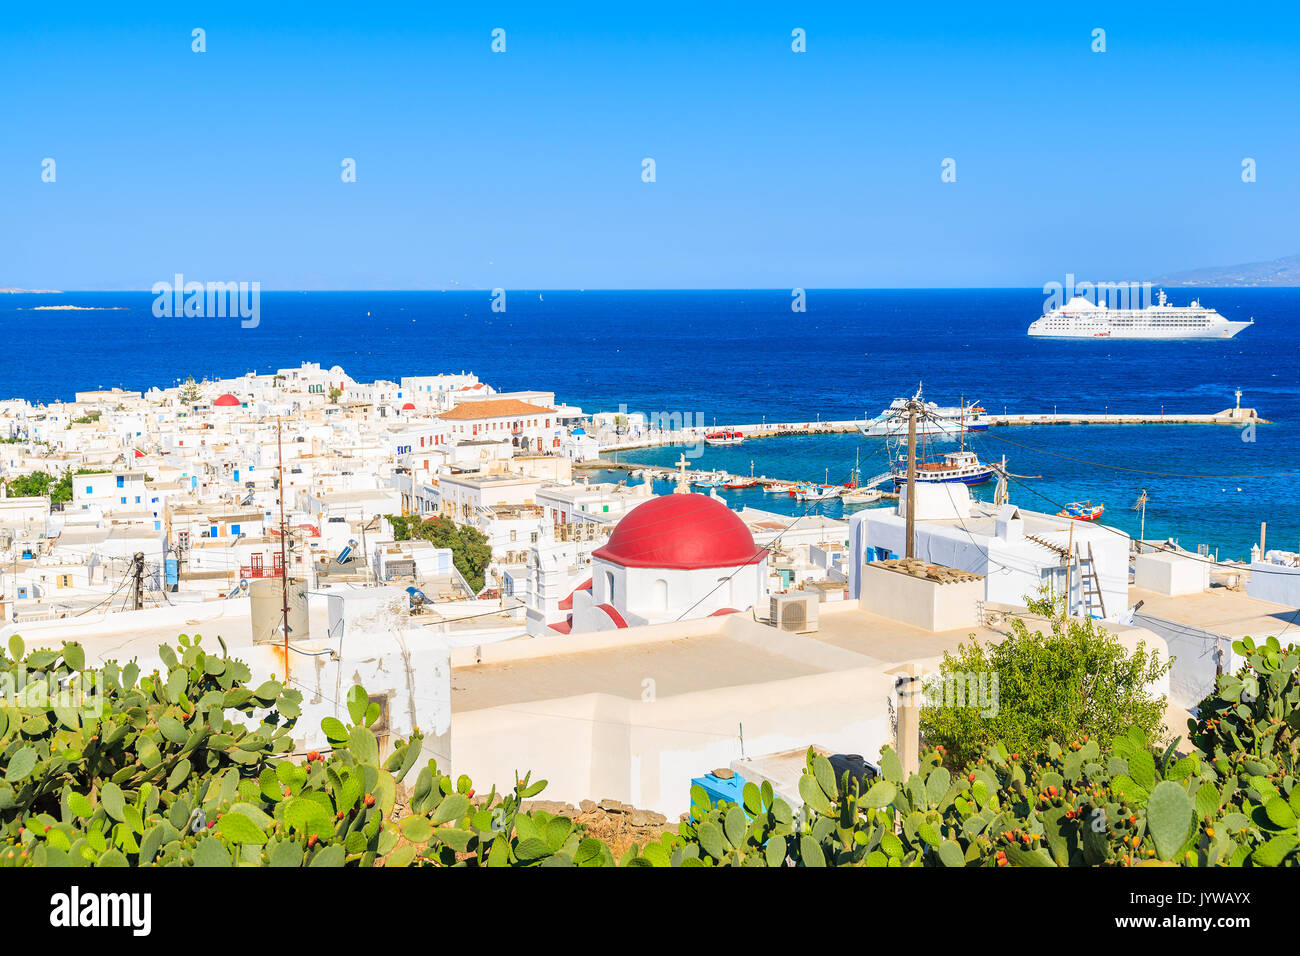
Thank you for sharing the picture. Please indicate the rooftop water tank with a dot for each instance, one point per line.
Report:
(266, 605)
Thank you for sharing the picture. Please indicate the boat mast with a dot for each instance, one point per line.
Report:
(962, 430)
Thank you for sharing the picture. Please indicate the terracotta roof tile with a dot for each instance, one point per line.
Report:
(493, 408)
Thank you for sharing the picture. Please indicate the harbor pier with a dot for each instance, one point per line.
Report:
(690, 436)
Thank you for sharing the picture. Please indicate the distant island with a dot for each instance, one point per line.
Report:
(32, 291)
(1278, 272)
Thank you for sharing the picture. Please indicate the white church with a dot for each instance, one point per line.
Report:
(675, 557)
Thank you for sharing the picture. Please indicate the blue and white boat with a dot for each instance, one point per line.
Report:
(934, 422)
(715, 480)
(954, 466)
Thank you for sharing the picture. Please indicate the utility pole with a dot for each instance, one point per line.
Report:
(911, 479)
(284, 563)
(1142, 506)
(138, 573)
(908, 737)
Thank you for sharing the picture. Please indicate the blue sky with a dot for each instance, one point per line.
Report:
(523, 169)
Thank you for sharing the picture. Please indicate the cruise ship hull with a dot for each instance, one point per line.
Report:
(1225, 331)
(1081, 318)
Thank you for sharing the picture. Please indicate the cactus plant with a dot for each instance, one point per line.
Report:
(189, 766)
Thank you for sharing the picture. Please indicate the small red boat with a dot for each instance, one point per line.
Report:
(726, 437)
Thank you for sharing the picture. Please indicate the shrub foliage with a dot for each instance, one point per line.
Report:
(1076, 679)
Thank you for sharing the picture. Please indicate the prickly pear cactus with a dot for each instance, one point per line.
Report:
(1232, 800)
(192, 767)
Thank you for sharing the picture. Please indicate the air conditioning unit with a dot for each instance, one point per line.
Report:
(795, 612)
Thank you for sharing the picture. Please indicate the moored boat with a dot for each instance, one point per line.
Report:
(954, 466)
(860, 496)
(725, 437)
(1081, 511)
(810, 492)
(934, 422)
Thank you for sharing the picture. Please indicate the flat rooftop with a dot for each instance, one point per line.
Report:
(890, 643)
(679, 666)
(1221, 610)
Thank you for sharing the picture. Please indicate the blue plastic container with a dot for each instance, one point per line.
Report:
(719, 789)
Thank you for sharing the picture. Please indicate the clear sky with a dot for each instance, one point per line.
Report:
(523, 169)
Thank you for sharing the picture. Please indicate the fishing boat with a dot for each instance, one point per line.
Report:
(779, 488)
(740, 481)
(724, 437)
(817, 492)
(807, 491)
(860, 496)
(1081, 511)
(716, 480)
(954, 466)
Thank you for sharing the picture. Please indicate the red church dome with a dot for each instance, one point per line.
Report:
(409, 407)
(226, 401)
(681, 532)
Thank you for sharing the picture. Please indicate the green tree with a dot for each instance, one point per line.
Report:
(35, 485)
(335, 394)
(39, 484)
(190, 393)
(1076, 679)
(470, 550)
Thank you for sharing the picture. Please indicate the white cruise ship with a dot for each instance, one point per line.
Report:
(1081, 319)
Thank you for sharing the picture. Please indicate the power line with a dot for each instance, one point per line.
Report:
(1135, 471)
(757, 554)
(1218, 564)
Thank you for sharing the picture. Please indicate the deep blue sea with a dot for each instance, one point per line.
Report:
(741, 356)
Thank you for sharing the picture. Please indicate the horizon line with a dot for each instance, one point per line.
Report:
(783, 289)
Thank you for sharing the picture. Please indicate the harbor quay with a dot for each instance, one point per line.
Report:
(649, 436)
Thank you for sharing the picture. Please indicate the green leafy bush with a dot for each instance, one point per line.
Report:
(470, 550)
(1076, 679)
